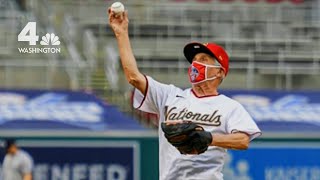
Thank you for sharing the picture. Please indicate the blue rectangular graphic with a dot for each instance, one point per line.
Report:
(281, 111)
(77, 110)
(274, 162)
(84, 160)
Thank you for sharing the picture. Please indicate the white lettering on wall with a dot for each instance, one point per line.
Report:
(79, 172)
(289, 173)
(116, 172)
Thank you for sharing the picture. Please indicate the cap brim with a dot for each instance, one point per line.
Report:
(190, 50)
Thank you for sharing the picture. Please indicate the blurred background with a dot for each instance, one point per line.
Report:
(70, 106)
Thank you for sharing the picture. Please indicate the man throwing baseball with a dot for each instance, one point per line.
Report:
(198, 124)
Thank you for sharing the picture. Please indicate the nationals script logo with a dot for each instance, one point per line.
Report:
(212, 119)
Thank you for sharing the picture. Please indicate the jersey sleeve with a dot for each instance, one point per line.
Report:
(27, 164)
(240, 121)
(155, 98)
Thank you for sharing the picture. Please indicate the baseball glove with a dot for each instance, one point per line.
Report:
(187, 137)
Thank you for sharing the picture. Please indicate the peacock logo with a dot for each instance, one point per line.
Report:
(50, 38)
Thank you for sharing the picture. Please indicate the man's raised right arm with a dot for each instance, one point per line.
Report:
(119, 24)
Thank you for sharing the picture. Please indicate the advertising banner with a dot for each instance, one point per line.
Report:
(79, 160)
(276, 161)
(40, 109)
(283, 111)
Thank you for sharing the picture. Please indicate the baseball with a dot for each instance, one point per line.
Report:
(117, 7)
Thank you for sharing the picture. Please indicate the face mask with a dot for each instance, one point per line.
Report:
(198, 72)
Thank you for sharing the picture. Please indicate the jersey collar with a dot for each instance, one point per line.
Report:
(194, 93)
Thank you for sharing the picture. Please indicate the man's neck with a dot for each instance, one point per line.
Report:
(204, 89)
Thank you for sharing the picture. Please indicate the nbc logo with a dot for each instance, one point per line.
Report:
(29, 34)
(50, 38)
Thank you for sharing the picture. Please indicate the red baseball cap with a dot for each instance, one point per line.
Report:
(191, 49)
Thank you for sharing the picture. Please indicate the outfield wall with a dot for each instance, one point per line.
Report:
(123, 155)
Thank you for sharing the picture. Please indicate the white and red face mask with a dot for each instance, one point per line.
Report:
(198, 72)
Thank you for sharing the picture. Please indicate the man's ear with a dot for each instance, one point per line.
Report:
(221, 74)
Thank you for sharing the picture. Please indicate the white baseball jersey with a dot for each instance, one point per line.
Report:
(216, 114)
(15, 166)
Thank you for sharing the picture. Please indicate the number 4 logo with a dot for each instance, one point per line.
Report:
(31, 27)
(29, 34)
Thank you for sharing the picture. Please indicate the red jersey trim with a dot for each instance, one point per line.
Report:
(145, 95)
(203, 96)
